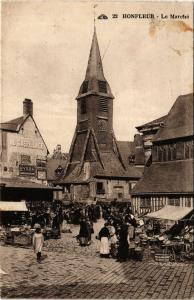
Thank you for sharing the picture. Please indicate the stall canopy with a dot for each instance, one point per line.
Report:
(13, 206)
(169, 212)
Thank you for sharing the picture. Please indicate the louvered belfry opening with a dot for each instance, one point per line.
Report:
(103, 104)
(102, 86)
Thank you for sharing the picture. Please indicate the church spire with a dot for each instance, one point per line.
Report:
(95, 68)
(94, 81)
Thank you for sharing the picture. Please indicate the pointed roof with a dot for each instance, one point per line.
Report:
(179, 121)
(95, 68)
(94, 73)
(16, 124)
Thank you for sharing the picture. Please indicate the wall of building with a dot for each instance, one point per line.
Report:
(145, 204)
(102, 189)
(177, 150)
(25, 153)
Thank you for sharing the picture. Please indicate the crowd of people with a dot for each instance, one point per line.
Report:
(122, 230)
(116, 234)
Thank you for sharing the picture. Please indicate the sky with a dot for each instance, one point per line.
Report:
(44, 54)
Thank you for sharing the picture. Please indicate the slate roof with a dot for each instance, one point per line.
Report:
(126, 149)
(179, 121)
(52, 165)
(152, 123)
(166, 177)
(112, 169)
(94, 72)
(12, 125)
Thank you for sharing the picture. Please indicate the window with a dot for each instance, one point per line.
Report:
(164, 153)
(25, 159)
(83, 106)
(145, 203)
(102, 86)
(5, 169)
(103, 104)
(169, 152)
(174, 201)
(188, 202)
(59, 170)
(85, 87)
(174, 152)
(100, 188)
(160, 153)
(131, 186)
(131, 159)
(188, 151)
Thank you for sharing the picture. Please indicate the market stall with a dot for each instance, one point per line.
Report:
(12, 233)
(174, 240)
(15, 228)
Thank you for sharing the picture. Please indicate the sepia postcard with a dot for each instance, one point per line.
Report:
(96, 153)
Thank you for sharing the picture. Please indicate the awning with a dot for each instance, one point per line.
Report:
(13, 206)
(170, 212)
(17, 182)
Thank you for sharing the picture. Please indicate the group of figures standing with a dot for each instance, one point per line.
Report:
(115, 236)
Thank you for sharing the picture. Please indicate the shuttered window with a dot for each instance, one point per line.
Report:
(102, 86)
(103, 104)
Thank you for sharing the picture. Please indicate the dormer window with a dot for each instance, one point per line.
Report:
(102, 86)
(85, 87)
(131, 159)
(59, 170)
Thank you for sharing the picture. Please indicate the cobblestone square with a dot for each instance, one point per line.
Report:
(69, 271)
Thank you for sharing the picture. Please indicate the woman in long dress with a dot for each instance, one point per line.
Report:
(113, 240)
(37, 242)
(84, 233)
(123, 249)
(104, 236)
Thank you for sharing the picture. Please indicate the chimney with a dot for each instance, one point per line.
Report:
(27, 107)
(139, 150)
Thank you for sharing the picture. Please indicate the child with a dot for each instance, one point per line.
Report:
(37, 243)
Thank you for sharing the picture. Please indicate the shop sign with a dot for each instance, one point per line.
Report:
(41, 174)
(26, 143)
(26, 170)
(41, 163)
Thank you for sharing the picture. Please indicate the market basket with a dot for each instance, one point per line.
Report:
(162, 257)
